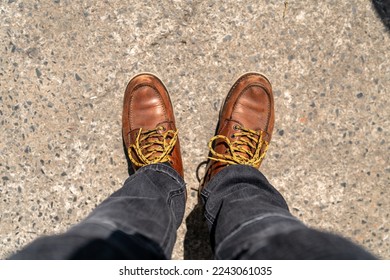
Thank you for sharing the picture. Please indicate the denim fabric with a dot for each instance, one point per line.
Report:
(139, 221)
(249, 219)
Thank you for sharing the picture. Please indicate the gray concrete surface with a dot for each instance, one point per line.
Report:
(64, 66)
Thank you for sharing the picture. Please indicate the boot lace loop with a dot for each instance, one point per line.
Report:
(153, 147)
(247, 149)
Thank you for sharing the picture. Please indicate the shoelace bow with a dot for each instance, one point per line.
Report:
(149, 143)
(236, 152)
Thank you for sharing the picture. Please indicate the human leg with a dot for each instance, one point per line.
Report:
(247, 217)
(139, 220)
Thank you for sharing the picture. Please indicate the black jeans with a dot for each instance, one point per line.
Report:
(247, 218)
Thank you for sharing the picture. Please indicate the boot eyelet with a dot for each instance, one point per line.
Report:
(236, 127)
(233, 136)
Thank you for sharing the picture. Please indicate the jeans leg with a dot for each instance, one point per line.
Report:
(249, 219)
(139, 221)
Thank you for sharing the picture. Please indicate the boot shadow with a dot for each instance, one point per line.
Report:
(197, 239)
(130, 169)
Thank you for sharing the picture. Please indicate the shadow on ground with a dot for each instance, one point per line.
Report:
(382, 8)
(130, 169)
(197, 239)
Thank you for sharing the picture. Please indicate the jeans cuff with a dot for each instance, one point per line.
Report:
(166, 169)
(212, 184)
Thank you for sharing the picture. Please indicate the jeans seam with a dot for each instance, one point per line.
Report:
(248, 223)
(173, 194)
(169, 171)
(291, 229)
(172, 173)
(210, 218)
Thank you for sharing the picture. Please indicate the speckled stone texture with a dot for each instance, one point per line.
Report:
(64, 66)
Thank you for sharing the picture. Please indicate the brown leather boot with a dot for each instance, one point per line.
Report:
(148, 124)
(245, 126)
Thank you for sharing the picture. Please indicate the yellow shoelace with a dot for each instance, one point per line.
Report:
(154, 143)
(236, 153)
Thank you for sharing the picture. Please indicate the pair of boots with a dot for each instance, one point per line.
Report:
(245, 125)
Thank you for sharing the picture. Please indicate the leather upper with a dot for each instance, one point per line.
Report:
(147, 105)
(250, 105)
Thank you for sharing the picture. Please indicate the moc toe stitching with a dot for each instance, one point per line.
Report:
(269, 105)
(132, 96)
